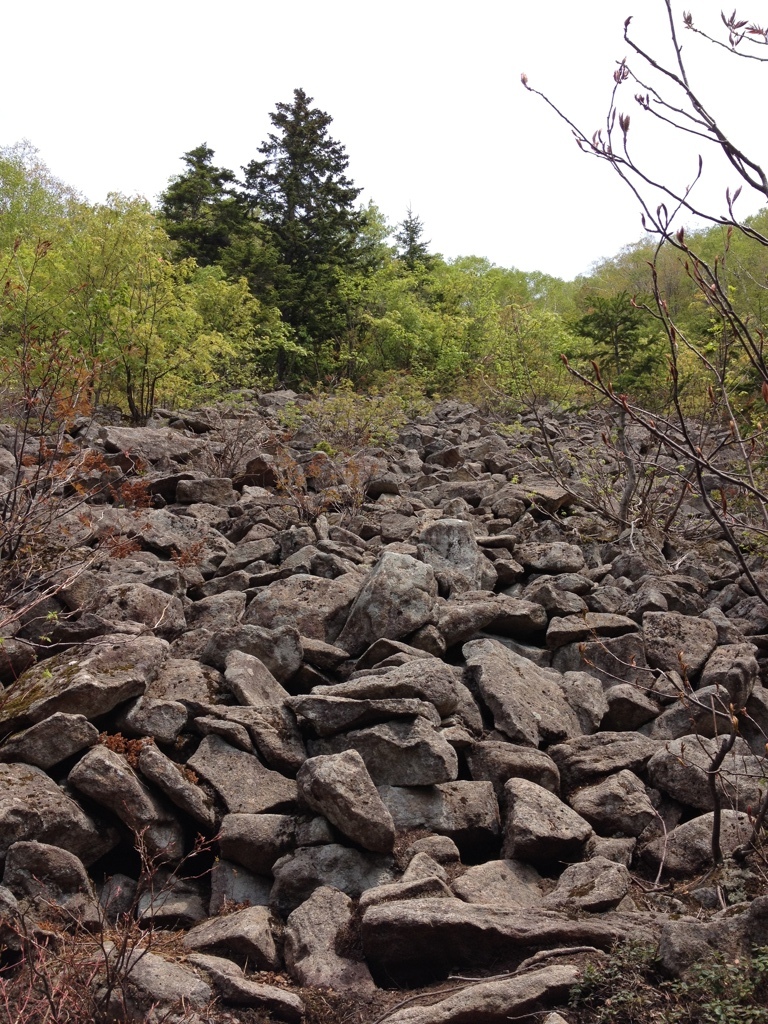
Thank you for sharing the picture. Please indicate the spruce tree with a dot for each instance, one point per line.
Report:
(411, 250)
(301, 195)
(202, 209)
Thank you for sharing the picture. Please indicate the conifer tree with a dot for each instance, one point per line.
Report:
(301, 195)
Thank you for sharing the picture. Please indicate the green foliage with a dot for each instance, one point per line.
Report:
(202, 210)
(623, 340)
(347, 421)
(625, 988)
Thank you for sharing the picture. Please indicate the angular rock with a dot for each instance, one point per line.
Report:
(733, 667)
(616, 806)
(234, 988)
(466, 812)
(629, 707)
(397, 598)
(136, 602)
(175, 785)
(339, 787)
(245, 935)
(108, 779)
(297, 875)
(595, 886)
(573, 629)
(410, 937)
(553, 558)
(279, 649)
(317, 607)
(241, 781)
(526, 702)
(507, 884)
(586, 758)
(423, 678)
(51, 878)
(50, 741)
(450, 545)
(498, 762)
(251, 682)
(257, 841)
(687, 849)
(83, 681)
(539, 827)
(495, 1002)
(33, 807)
(670, 637)
(330, 715)
(311, 935)
(681, 769)
(400, 753)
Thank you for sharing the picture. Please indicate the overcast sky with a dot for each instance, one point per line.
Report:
(425, 96)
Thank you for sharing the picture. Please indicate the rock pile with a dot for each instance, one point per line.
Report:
(432, 726)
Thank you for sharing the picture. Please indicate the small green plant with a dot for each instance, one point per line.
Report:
(626, 988)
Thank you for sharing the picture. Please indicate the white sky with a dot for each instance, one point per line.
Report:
(425, 96)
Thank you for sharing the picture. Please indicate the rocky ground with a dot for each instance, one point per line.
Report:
(424, 736)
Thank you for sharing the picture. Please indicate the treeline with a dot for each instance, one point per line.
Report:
(279, 275)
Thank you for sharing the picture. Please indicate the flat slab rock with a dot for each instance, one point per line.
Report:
(413, 936)
(495, 1002)
(82, 681)
(526, 701)
(241, 780)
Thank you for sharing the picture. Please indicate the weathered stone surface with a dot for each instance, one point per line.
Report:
(733, 667)
(466, 812)
(257, 840)
(136, 602)
(234, 988)
(507, 884)
(572, 629)
(397, 598)
(704, 711)
(242, 782)
(311, 934)
(107, 778)
(279, 649)
(340, 787)
(83, 681)
(251, 682)
(50, 741)
(526, 702)
(670, 637)
(402, 753)
(297, 875)
(681, 769)
(317, 607)
(587, 697)
(616, 806)
(214, 490)
(628, 708)
(51, 878)
(170, 779)
(443, 934)
(498, 762)
(496, 1002)
(33, 807)
(245, 935)
(586, 758)
(233, 884)
(150, 444)
(539, 827)
(424, 679)
(449, 545)
(330, 715)
(553, 558)
(154, 983)
(596, 885)
(687, 849)
(612, 660)
(163, 720)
